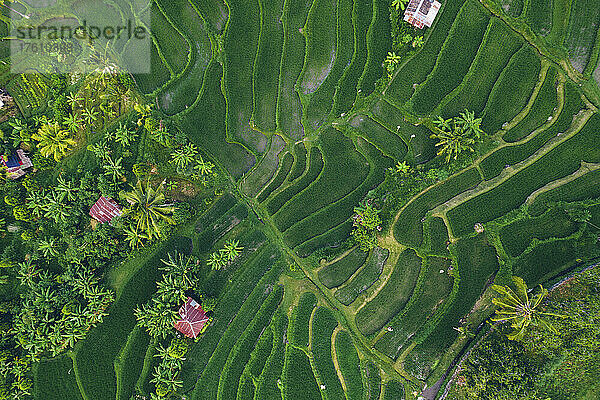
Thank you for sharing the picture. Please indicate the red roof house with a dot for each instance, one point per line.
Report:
(421, 13)
(193, 319)
(105, 209)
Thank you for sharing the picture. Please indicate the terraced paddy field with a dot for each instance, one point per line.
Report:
(291, 101)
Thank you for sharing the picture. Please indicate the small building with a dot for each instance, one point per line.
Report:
(16, 164)
(421, 13)
(105, 209)
(193, 319)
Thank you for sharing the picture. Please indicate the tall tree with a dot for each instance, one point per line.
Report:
(53, 141)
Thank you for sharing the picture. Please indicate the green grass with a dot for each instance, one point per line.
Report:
(582, 188)
(315, 166)
(174, 47)
(98, 350)
(379, 42)
(289, 108)
(498, 46)
(512, 90)
(215, 13)
(298, 379)
(345, 95)
(320, 45)
(476, 262)
(393, 391)
(340, 158)
(372, 380)
(349, 365)
(408, 229)
(159, 74)
(240, 354)
(54, 379)
(514, 8)
(246, 388)
(518, 235)
(541, 109)
(455, 57)
(323, 324)
(433, 288)
(235, 309)
(262, 173)
(267, 65)
(204, 125)
(417, 68)
(493, 164)
(299, 162)
(240, 46)
(300, 319)
(561, 161)
(182, 92)
(285, 166)
(421, 145)
(130, 363)
(260, 354)
(321, 101)
(438, 237)
(392, 298)
(337, 213)
(335, 274)
(583, 28)
(548, 259)
(539, 16)
(364, 278)
(332, 238)
(266, 387)
(215, 231)
(387, 142)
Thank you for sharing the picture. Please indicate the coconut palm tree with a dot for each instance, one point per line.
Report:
(521, 310)
(452, 143)
(36, 201)
(57, 209)
(469, 124)
(232, 249)
(72, 122)
(124, 136)
(183, 267)
(27, 273)
(183, 156)
(216, 260)
(399, 4)
(148, 209)
(204, 167)
(53, 141)
(90, 115)
(66, 189)
(48, 247)
(134, 237)
(114, 168)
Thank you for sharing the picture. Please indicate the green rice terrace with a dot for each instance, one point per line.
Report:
(336, 199)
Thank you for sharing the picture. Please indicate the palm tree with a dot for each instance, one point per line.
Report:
(27, 273)
(36, 201)
(66, 189)
(182, 267)
(90, 115)
(134, 237)
(48, 247)
(232, 249)
(204, 167)
(72, 122)
(391, 61)
(216, 260)
(148, 209)
(418, 42)
(521, 310)
(184, 156)
(469, 124)
(114, 168)
(53, 141)
(73, 100)
(453, 143)
(402, 167)
(399, 4)
(124, 136)
(56, 209)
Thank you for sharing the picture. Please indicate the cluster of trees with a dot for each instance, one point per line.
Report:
(165, 376)
(556, 358)
(405, 38)
(180, 278)
(457, 135)
(224, 256)
(367, 223)
(51, 314)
